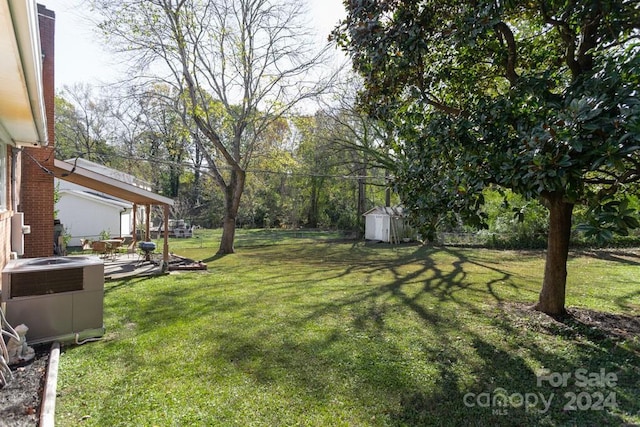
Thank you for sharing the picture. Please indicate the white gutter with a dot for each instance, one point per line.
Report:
(24, 14)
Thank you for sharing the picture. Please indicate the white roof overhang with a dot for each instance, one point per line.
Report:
(107, 185)
(22, 111)
(103, 200)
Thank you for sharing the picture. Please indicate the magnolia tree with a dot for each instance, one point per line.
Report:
(539, 97)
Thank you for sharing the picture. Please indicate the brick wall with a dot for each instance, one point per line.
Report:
(36, 199)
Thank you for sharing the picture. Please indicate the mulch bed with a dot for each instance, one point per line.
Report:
(20, 399)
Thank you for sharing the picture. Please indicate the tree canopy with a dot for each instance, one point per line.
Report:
(539, 97)
(242, 64)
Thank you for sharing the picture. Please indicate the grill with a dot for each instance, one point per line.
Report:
(148, 248)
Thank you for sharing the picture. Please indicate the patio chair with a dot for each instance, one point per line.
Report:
(86, 244)
(116, 244)
(102, 249)
(128, 246)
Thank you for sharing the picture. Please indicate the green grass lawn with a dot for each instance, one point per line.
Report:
(301, 329)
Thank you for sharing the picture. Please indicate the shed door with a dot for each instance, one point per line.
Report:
(381, 230)
(377, 228)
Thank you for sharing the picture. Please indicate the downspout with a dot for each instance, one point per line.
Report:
(124, 210)
(14, 179)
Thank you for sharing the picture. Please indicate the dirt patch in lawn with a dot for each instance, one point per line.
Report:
(578, 321)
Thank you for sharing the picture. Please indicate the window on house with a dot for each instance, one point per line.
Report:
(3, 177)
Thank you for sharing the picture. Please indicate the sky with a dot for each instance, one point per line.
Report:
(81, 59)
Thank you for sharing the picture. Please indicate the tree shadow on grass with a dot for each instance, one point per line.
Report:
(584, 344)
(348, 350)
(217, 256)
(115, 284)
(330, 366)
(501, 369)
(624, 301)
(630, 257)
(456, 401)
(449, 403)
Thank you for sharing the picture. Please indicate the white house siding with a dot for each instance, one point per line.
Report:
(85, 216)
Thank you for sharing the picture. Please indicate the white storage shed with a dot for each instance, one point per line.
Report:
(386, 224)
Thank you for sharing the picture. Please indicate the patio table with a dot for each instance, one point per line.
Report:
(112, 246)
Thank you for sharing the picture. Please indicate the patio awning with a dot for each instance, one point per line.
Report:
(116, 188)
(108, 185)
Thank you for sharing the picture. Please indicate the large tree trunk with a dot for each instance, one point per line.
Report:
(232, 195)
(552, 295)
(228, 234)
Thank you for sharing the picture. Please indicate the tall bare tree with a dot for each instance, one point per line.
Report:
(84, 125)
(248, 61)
(361, 138)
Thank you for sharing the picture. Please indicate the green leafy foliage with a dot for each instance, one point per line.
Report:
(236, 69)
(541, 98)
(538, 97)
(501, 93)
(513, 221)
